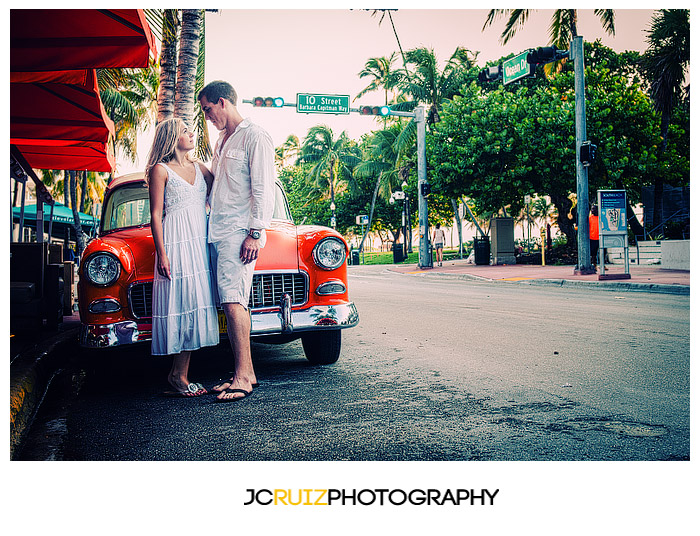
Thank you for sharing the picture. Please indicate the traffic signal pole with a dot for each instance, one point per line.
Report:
(418, 115)
(584, 247)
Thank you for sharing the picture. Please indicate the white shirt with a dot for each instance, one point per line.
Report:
(242, 196)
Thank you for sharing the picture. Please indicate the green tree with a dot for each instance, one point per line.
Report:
(665, 64)
(332, 159)
(563, 26)
(496, 146)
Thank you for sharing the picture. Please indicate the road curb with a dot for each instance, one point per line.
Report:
(30, 376)
(617, 286)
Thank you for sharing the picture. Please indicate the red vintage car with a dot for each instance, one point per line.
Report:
(299, 288)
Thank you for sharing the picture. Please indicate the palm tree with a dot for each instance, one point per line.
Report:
(379, 69)
(290, 149)
(332, 159)
(563, 27)
(169, 29)
(384, 163)
(665, 65)
(182, 69)
(384, 13)
(192, 20)
(429, 85)
(129, 97)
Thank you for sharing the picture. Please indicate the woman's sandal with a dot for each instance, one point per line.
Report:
(192, 390)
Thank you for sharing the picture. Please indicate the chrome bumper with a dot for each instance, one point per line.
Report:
(108, 335)
(283, 321)
(286, 321)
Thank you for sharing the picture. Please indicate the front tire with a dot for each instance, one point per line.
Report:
(322, 348)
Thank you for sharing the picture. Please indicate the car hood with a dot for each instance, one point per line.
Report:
(280, 251)
(139, 242)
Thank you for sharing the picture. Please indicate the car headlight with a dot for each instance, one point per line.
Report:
(329, 253)
(102, 269)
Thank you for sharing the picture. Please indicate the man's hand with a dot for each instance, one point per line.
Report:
(249, 249)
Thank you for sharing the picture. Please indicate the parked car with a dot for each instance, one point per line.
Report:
(299, 288)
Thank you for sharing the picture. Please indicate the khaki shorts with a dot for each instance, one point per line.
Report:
(232, 279)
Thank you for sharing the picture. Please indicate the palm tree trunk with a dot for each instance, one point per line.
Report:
(168, 65)
(371, 213)
(187, 64)
(83, 190)
(80, 241)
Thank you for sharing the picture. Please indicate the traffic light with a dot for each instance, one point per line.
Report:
(587, 153)
(490, 74)
(374, 110)
(425, 189)
(542, 55)
(268, 102)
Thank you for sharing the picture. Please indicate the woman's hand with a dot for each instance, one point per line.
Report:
(164, 266)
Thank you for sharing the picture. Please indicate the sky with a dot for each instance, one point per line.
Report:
(280, 53)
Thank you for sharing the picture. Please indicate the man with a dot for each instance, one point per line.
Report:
(241, 201)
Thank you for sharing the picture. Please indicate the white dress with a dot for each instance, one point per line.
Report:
(184, 313)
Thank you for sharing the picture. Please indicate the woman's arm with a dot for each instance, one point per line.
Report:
(156, 191)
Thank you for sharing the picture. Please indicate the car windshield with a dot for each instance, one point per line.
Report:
(129, 206)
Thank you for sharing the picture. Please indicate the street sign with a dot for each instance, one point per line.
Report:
(517, 68)
(309, 103)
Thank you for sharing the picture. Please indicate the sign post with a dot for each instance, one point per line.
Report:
(612, 228)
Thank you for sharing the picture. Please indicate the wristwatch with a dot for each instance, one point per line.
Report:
(254, 233)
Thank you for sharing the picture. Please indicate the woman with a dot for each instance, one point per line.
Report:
(184, 313)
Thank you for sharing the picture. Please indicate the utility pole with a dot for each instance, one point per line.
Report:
(424, 259)
(584, 247)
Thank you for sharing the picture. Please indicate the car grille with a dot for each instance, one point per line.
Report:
(267, 291)
(269, 288)
(140, 299)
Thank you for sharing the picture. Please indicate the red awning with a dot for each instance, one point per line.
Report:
(64, 39)
(63, 119)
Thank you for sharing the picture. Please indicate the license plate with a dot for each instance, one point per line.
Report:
(222, 322)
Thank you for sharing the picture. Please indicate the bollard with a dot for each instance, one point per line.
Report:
(542, 247)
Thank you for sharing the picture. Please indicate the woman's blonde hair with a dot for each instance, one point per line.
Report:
(164, 144)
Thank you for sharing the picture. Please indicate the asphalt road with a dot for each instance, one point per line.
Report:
(438, 369)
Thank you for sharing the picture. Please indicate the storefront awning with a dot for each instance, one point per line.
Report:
(57, 121)
(65, 39)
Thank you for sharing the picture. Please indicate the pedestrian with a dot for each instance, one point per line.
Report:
(241, 201)
(438, 242)
(593, 234)
(184, 316)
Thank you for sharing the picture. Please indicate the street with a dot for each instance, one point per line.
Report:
(438, 369)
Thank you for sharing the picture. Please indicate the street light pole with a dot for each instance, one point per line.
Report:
(584, 246)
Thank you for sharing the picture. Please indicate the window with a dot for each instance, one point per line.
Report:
(128, 206)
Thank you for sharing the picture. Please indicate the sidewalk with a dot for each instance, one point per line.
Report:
(34, 360)
(645, 278)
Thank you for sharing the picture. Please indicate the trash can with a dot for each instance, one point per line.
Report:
(398, 253)
(355, 257)
(482, 250)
